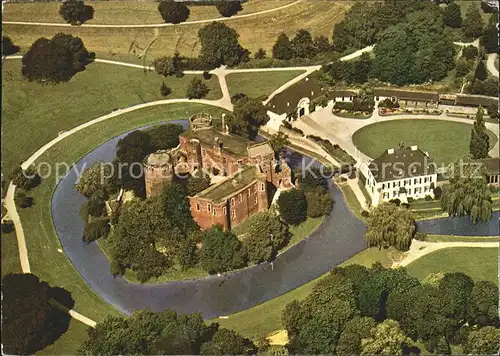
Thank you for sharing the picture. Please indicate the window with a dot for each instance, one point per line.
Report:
(224, 211)
(255, 200)
(232, 201)
(233, 214)
(420, 180)
(386, 195)
(197, 207)
(215, 212)
(415, 181)
(209, 207)
(425, 179)
(240, 197)
(249, 192)
(394, 194)
(262, 188)
(383, 186)
(394, 184)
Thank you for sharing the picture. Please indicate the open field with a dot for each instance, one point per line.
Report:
(10, 254)
(69, 342)
(265, 318)
(255, 32)
(42, 241)
(479, 263)
(446, 141)
(33, 114)
(259, 84)
(124, 12)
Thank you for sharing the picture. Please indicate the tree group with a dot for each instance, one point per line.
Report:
(173, 11)
(75, 12)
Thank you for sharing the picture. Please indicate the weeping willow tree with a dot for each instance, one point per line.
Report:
(390, 226)
(467, 194)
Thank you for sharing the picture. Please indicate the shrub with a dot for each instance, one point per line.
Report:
(75, 12)
(96, 229)
(8, 47)
(319, 202)
(343, 105)
(206, 75)
(228, 8)
(396, 201)
(96, 204)
(197, 89)
(420, 236)
(164, 90)
(7, 226)
(292, 206)
(388, 103)
(428, 198)
(260, 54)
(25, 179)
(405, 205)
(22, 200)
(365, 213)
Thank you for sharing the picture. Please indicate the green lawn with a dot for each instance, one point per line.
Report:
(351, 199)
(42, 241)
(34, 114)
(10, 254)
(69, 342)
(259, 84)
(265, 318)
(445, 141)
(453, 238)
(479, 263)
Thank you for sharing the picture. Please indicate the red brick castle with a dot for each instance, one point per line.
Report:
(246, 172)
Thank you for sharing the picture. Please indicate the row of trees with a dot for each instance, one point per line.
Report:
(176, 12)
(302, 45)
(358, 310)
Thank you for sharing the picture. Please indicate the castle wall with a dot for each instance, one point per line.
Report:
(156, 178)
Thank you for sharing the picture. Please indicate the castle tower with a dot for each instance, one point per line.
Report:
(158, 171)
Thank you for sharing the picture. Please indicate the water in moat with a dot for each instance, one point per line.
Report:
(338, 238)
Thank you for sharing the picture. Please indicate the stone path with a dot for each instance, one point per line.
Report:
(53, 24)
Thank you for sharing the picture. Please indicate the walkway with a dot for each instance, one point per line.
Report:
(421, 248)
(490, 64)
(52, 24)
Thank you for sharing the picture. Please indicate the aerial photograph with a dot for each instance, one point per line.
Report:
(250, 177)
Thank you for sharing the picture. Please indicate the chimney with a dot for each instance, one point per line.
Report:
(390, 151)
(414, 148)
(223, 124)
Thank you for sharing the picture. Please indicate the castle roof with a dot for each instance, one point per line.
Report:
(407, 95)
(231, 144)
(159, 158)
(228, 187)
(261, 149)
(400, 163)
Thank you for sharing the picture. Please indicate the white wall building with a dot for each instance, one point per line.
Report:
(400, 173)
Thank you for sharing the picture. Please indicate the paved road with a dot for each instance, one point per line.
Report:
(53, 24)
(490, 64)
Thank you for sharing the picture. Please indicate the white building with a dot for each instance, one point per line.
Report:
(400, 173)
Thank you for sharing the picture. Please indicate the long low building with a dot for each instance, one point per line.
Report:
(407, 96)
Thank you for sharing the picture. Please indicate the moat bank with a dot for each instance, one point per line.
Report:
(338, 238)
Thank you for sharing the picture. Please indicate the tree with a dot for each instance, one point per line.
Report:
(22, 199)
(292, 206)
(197, 89)
(260, 54)
(265, 236)
(472, 24)
(480, 72)
(148, 333)
(463, 67)
(219, 46)
(228, 8)
(489, 39)
(55, 60)
(29, 321)
(164, 136)
(96, 204)
(390, 225)
(458, 286)
(7, 226)
(197, 183)
(164, 90)
(479, 141)
(248, 116)
(303, 45)
(96, 229)
(173, 12)
(319, 202)
(228, 342)
(8, 47)
(361, 70)
(485, 341)
(355, 331)
(452, 15)
(443, 347)
(166, 65)
(467, 195)
(470, 52)
(75, 12)
(386, 338)
(221, 251)
(279, 142)
(97, 179)
(283, 48)
(482, 309)
(176, 207)
(321, 44)
(25, 178)
(488, 87)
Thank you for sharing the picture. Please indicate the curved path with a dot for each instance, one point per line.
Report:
(54, 24)
(490, 64)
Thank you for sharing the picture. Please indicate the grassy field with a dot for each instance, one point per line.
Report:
(453, 238)
(351, 199)
(259, 84)
(265, 318)
(10, 254)
(124, 12)
(42, 241)
(255, 32)
(69, 342)
(479, 263)
(33, 114)
(445, 141)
